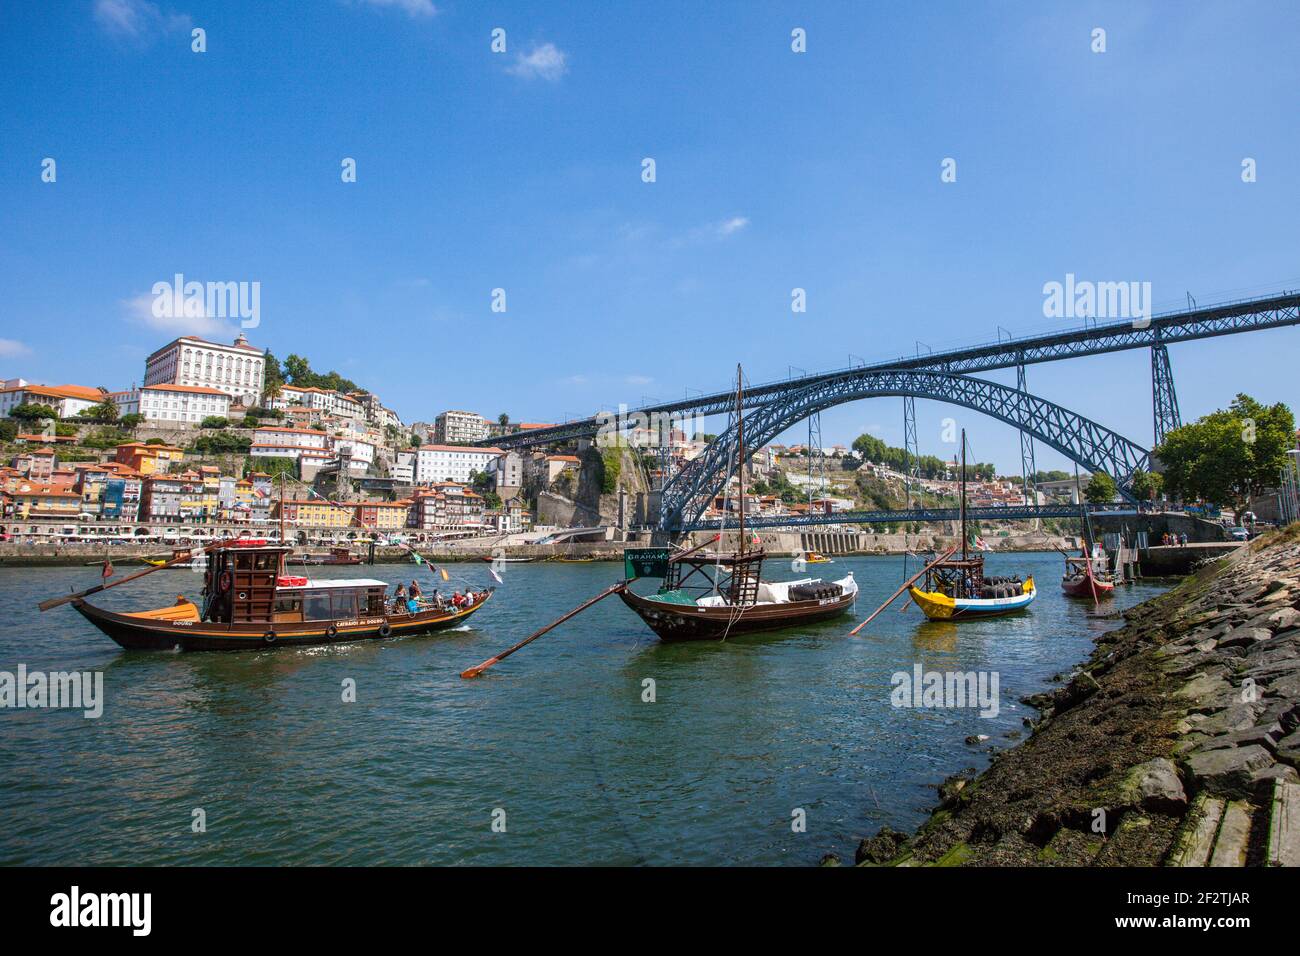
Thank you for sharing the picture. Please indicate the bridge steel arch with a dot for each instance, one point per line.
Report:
(1093, 446)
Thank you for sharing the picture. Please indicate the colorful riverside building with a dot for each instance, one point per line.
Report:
(380, 515)
(446, 506)
(148, 459)
(31, 500)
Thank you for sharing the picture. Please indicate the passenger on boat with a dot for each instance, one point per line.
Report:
(399, 597)
(415, 591)
(457, 600)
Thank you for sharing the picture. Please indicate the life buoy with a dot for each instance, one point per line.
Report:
(385, 629)
(332, 631)
(225, 581)
(269, 637)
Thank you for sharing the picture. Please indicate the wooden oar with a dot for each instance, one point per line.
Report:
(906, 584)
(480, 668)
(55, 602)
(612, 589)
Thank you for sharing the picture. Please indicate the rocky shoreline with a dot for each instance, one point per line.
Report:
(1176, 743)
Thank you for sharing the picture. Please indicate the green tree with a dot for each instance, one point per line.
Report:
(1146, 485)
(272, 377)
(503, 419)
(130, 421)
(1230, 455)
(31, 412)
(1100, 489)
(214, 421)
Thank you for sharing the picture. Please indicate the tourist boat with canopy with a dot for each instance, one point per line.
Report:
(711, 595)
(249, 602)
(957, 588)
(252, 601)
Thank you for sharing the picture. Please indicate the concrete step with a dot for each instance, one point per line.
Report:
(1284, 825)
(1233, 838)
(1196, 842)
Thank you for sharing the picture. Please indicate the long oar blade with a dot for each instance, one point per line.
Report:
(480, 668)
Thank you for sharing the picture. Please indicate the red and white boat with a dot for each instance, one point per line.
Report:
(1087, 576)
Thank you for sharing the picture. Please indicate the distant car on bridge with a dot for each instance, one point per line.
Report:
(1239, 533)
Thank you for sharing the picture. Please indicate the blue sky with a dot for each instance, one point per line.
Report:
(522, 171)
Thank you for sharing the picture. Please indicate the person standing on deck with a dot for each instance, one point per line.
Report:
(399, 596)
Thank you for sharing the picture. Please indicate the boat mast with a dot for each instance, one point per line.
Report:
(282, 509)
(963, 494)
(740, 452)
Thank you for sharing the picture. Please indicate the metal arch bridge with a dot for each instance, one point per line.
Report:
(1249, 315)
(693, 488)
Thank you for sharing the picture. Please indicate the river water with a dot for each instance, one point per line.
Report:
(743, 739)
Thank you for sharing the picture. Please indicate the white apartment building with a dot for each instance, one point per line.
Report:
(403, 467)
(455, 428)
(452, 462)
(237, 369)
(164, 404)
(359, 454)
(66, 400)
(320, 399)
(301, 444)
(509, 470)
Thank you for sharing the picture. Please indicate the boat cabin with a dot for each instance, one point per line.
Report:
(246, 583)
(329, 600)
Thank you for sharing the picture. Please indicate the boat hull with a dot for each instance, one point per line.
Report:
(138, 633)
(940, 607)
(1079, 587)
(678, 622)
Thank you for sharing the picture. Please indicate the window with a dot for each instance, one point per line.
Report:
(316, 606)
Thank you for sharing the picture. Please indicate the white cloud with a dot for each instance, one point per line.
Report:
(9, 348)
(137, 19)
(575, 380)
(638, 380)
(141, 309)
(412, 8)
(729, 226)
(545, 62)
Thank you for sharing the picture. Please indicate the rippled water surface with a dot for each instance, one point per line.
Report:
(740, 735)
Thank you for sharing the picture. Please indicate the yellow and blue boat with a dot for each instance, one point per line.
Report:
(956, 589)
(940, 606)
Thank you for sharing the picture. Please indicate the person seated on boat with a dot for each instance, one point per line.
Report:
(413, 606)
(457, 600)
(399, 596)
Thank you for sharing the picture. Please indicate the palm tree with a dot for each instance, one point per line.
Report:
(503, 419)
(273, 391)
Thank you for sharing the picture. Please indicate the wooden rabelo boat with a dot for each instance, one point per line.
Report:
(251, 603)
(710, 596)
(957, 589)
(1088, 576)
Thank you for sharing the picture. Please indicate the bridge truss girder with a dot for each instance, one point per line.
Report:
(1268, 312)
(1082, 440)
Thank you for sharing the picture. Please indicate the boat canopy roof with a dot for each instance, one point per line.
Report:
(336, 583)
